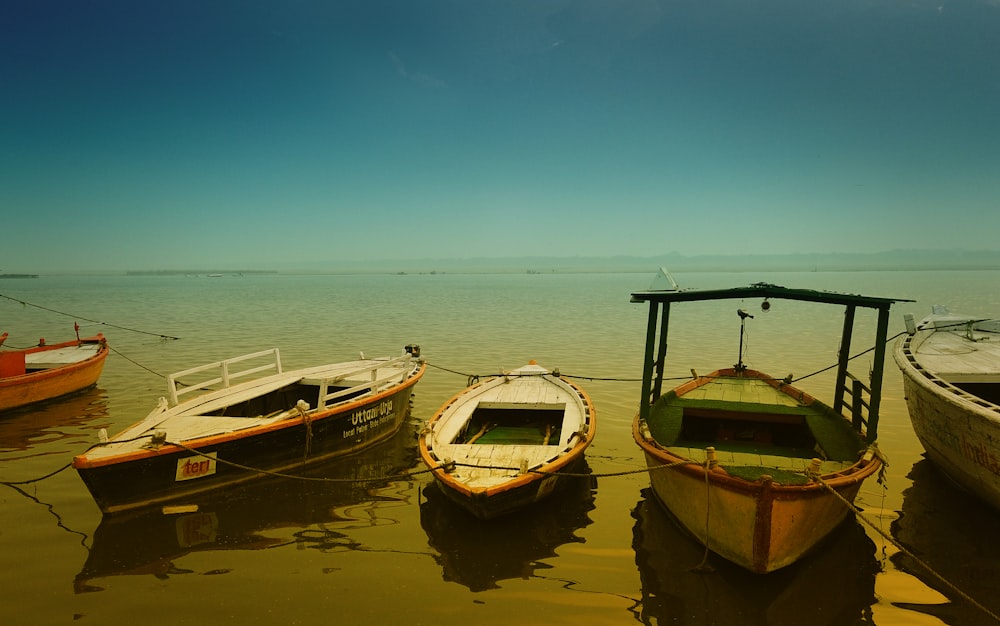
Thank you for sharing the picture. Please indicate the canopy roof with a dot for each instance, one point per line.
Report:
(764, 290)
(846, 396)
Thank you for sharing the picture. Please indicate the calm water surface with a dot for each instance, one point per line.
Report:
(390, 551)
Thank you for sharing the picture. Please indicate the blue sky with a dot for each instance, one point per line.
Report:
(248, 134)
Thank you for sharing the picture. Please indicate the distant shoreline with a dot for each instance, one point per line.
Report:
(885, 261)
(196, 272)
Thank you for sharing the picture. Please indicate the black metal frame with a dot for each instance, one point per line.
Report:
(656, 342)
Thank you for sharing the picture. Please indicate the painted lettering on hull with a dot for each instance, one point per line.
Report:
(370, 419)
(198, 466)
(956, 436)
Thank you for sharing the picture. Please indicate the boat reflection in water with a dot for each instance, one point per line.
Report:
(149, 541)
(22, 428)
(833, 585)
(952, 533)
(479, 553)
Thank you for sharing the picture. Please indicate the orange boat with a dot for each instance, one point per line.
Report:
(48, 371)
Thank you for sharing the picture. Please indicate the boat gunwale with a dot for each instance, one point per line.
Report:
(857, 472)
(22, 391)
(905, 356)
(470, 393)
(533, 474)
(860, 469)
(48, 372)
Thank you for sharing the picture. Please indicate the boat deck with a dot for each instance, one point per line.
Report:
(60, 356)
(494, 464)
(953, 357)
(523, 393)
(743, 391)
(751, 423)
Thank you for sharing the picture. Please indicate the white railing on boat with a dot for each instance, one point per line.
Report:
(369, 387)
(226, 376)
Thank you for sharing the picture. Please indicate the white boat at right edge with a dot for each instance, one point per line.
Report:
(951, 380)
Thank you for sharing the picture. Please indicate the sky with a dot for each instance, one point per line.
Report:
(262, 134)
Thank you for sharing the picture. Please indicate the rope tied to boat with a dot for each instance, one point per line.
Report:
(319, 479)
(98, 322)
(303, 408)
(449, 466)
(789, 379)
(926, 566)
(877, 453)
(708, 465)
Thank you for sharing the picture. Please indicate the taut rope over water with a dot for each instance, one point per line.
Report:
(44, 308)
(861, 516)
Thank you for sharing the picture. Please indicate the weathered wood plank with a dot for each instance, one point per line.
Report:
(61, 356)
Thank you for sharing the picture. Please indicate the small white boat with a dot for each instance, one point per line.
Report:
(503, 443)
(951, 379)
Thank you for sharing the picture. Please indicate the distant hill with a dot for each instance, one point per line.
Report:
(826, 262)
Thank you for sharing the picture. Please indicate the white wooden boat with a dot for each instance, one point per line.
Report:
(755, 469)
(502, 444)
(278, 422)
(48, 371)
(951, 378)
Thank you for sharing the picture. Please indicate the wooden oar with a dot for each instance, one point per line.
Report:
(482, 431)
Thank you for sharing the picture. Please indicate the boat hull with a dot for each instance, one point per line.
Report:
(762, 524)
(48, 384)
(517, 493)
(958, 431)
(171, 472)
(251, 516)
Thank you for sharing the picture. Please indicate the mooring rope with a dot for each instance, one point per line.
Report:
(871, 524)
(474, 378)
(701, 567)
(13, 483)
(645, 470)
(321, 479)
(704, 567)
(136, 363)
(45, 308)
(68, 465)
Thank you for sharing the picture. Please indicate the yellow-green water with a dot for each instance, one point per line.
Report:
(391, 552)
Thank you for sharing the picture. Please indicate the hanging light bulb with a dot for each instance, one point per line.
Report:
(765, 306)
